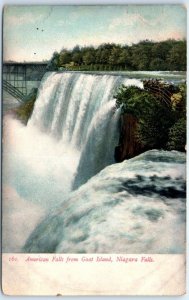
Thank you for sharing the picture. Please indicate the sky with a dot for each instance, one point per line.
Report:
(66, 26)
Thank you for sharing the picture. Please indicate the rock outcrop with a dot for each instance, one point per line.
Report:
(129, 146)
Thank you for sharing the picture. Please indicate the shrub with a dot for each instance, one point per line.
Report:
(177, 136)
(160, 124)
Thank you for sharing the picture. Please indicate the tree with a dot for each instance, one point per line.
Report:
(154, 117)
(146, 55)
(154, 125)
(124, 58)
(157, 64)
(140, 55)
(133, 100)
(54, 62)
(159, 54)
(89, 58)
(102, 56)
(177, 57)
(65, 57)
(114, 56)
(177, 136)
(77, 58)
(76, 49)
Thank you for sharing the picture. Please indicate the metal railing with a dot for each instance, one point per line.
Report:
(13, 91)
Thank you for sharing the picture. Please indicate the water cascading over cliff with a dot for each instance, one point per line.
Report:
(70, 137)
(78, 110)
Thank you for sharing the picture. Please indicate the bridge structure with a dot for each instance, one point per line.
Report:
(16, 75)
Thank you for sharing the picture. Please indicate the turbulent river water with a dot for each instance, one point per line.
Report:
(61, 195)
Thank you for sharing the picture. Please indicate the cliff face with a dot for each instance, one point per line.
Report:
(24, 111)
(128, 144)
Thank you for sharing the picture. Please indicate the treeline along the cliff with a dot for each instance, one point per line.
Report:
(146, 55)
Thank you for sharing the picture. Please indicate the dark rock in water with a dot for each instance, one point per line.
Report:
(128, 146)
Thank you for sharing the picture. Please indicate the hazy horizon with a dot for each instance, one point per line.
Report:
(80, 46)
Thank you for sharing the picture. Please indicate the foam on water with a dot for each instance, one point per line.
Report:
(137, 206)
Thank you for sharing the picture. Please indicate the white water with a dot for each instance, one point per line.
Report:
(68, 102)
(70, 137)
(78, 110)
(137, 206)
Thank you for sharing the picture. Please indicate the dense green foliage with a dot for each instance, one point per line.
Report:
(177, 135)
(168, 55)
(24, 111)
(161, 125)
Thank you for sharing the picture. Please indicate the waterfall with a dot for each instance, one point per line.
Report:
(78, 110)
(100, 143)
(69, 144)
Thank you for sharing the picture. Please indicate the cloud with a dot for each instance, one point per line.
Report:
(177, 35)
(127, 20)
(60, 22)
(73, 18)
(27, 18)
